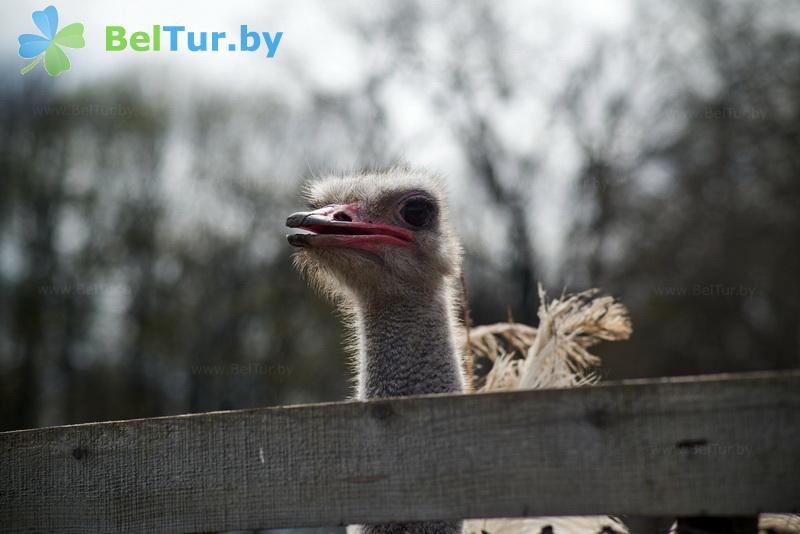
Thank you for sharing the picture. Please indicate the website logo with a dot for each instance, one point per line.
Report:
(193, 41)
(48, 45)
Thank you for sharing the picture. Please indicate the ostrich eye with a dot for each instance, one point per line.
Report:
(417, 212)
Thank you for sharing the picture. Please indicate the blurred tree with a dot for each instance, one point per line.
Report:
(143, 269)
(702, 224)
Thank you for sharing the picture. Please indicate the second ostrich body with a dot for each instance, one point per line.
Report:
(380, 244)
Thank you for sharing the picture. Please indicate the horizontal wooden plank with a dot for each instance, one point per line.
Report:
(718, 445)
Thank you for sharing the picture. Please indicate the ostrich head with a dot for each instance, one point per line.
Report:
(376, 235)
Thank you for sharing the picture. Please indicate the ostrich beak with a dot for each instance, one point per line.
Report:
(341, 226)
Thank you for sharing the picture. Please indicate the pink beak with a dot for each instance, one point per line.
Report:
(342, 226)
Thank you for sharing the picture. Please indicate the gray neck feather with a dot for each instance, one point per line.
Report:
(407, 346)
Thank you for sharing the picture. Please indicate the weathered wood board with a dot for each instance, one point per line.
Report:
(720, 445)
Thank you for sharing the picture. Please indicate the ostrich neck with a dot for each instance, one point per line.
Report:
(407, 347)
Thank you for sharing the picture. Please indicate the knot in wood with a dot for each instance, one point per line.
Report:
(382, 411)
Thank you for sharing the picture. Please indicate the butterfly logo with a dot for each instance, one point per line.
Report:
(48, 45)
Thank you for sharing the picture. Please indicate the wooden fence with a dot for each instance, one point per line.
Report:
(718, 445)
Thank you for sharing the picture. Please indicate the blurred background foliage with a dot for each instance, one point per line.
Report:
(143, 268)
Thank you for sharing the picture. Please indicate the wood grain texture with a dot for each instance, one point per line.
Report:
(723, 445)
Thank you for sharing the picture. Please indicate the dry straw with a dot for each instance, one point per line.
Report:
(516, 356)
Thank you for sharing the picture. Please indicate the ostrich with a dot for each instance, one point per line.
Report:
(381, 245)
